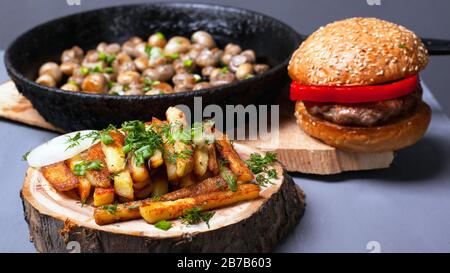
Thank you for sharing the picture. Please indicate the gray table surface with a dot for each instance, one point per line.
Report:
(401, 209)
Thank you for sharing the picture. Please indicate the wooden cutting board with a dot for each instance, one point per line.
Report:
(297, 151)
(56, 218)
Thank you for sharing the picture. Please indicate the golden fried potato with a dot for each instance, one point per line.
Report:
(60, 176)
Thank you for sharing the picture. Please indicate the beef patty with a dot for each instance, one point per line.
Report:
(365, 114)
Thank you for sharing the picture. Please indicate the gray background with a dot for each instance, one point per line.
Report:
(403, 208)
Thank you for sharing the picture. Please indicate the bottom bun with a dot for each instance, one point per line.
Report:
(394, 136)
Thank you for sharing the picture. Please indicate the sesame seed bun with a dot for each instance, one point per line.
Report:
(358, 51)
(394, 136)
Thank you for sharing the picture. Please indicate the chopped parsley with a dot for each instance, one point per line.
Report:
(195, 216)
(402, 46)
(163, 225)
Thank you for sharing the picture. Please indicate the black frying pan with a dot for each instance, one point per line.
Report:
(272, 40)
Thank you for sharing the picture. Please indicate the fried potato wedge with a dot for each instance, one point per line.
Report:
(123, 185)
(130, 210)
(156, 159)
(60, 176)
(118, 213)
(201, 157)
(98, 178)
(175, 115)
(153, 212)
(213, 164)
(227, 151)
(144, 192)
(114, 155)
(214, 184)
(184, 158)
(160, 184)
(187, 181)
(84, 188)
(170, 162)
(103, 196)
(139, 173)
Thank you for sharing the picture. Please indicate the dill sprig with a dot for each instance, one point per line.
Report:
(195, 216)
(260, 165)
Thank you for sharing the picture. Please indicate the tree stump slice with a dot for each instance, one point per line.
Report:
(57, 222)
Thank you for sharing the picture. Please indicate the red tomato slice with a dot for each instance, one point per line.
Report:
(354, 94)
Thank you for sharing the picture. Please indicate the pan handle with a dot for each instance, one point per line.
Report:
(434, 46)
(437, 46)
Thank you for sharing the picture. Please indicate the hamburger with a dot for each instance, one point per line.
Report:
(356, 85)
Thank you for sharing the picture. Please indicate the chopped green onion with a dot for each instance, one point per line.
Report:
(163, 225)
(160, 35)
(84, 70)
(187, 62)
(106, 139)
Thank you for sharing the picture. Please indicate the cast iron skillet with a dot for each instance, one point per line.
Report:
(272, 40)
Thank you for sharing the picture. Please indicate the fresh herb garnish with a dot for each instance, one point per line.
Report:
(185, 154)
(96, 69)
(164, 225)
(83, 202)
(195, 216)
(263, 179)
(110, 84)
(108, 70)
(84, 70)
(187, 63)
(170, 157)
(160, 35)
(259, 165)
(25, 156)
(112, 175)
(228, 176)
(148, 50)
(402, 46)
(110, 208)
(156, 197)
(173, 56)
(81, 168)
(106, 139)
(224, 69)
(132, 207)
(140, 141)
(107, 58)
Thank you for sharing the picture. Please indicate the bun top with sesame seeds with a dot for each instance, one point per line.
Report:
(358, 51)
